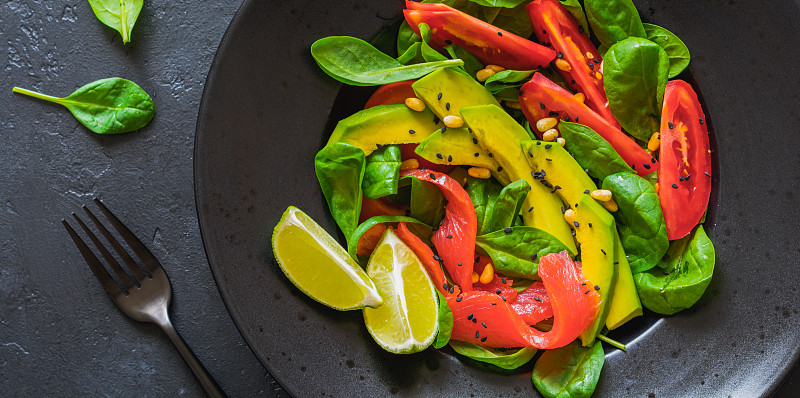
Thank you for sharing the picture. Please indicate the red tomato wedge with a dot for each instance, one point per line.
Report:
(455, 237)
(425, 255)
(498, 325)
(533, 304)
(488, 43)
(553, 24)
(541, 98)
(392, 93)
(685, 179)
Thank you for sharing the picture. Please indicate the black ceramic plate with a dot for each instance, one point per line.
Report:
(264, 115)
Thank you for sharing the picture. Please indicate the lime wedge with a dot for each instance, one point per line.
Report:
(407, 321)
(319, 266)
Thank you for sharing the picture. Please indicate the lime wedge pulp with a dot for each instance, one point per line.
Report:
(319, 266)
(407, 321)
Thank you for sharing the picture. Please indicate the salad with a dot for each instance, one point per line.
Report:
(527, 176)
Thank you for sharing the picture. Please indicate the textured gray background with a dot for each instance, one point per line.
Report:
(59, 333)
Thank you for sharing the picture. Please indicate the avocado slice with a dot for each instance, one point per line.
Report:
(563, 170)
(445, 91)
(457, 146)
(498, 133)
(596, 232)
(385, 125)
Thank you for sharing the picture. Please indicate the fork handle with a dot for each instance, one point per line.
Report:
(210, 386)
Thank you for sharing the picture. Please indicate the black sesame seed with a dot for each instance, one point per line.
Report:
(458, 299)
(681, 178)
(537, 298)
(533, 256)
(652, 160)
(633, 166)
(490, 155)
(544, 32)
(474, 320)
(475, 141)
(616, 262)
(483, 339)
(498, 292)
(566, 118)
(504, 299)
(433, 177)
(499, 169)
(477, 335)
(597, 61)
(580, 28)
(548, 146)
(701, 121)
(653, 114)
(583, 284)
(438, 97)
(576, 119)
(548, 159)
(587, 192)
(494, 303)
(707, 173)
(447, 106)
(586, 292)
(411, 132)
(449, 158)
(436, 119)
(572, 81)
(477, 154)
(590, 224)
(672, 126)
(444, 286)
(477, 259)
(508, 230)
(530, 210)
(500, 34)
(484, 325)
(596, 287)
(591, 66)
(448, 41)
(469, 316)
(503, 280)
(449, 236)
(444, 128)
(439, 155)
(575, 223)
(687, 177)
(604, 252)
(675, 186)
(437, 258)
(560, 55)
(379, 146)
(646, 166)
(541, 105)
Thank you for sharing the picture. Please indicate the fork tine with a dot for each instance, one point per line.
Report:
(147, 258)
(122, 276)
(126, 258)
(96, 266)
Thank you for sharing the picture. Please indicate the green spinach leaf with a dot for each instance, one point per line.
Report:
(427, 201)
(681, 278)
(353, 61)
(428, 52)
(502, 211)
(502, 358)
(613, 20)
(592, 151)
(445, 323)
(677, 52)
(406, 37)
(482, 192)
(508, 79)
(107, 106)
(516, 253)
(413, 55)
(119, 15)
(381, 175)
(514, 20)
(499, 3)
(471, 64)
(575, 9)
(571, 371)
(340, 171)
(640, 221)
(635, 76)
(352, 240)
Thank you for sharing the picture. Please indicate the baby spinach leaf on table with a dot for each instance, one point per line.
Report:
(406, 38)
(613, 20)
(575, 9)
(640, 221)
(340, 171)
(471, 64)
(508, 79)
(107, 106)
(445, 323)
(428, 53)
(482, 192)
(502, 210)
(517, 253)
(681, 278)
(427, 201)
(571, 371)
(352, 241)
(676, 50)
(502, 358)
(354, 61)
(634, 76)
(381, 174)
(413, 55)
(119, 15)
(592, 151)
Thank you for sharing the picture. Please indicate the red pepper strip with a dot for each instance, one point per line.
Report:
(455, 238)
(371, 208)
(685, 180)
(553, 24)
(392, 93)
(533, 304)
(425, 255)
(488, 43)
(499, 326)
(541, 98)
(499, 287)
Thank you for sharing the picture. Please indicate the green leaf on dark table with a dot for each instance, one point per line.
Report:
(676, 50)
(634, 76)
(613, 20)
(119, 15)
(510, 358)
(353, 61)
(406, 38)
(575, 9)
(681, 278)
(482, 192)
(471, 64)
(445, 323)
(642, 230)
(340, 171)
(428, 52)
(571, 371)
(508, 79)
(381, 174)
(516, 253)
(107, 106)
(503, 209)
(592, 151)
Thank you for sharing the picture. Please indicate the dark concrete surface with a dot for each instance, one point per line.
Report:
(60, 335)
